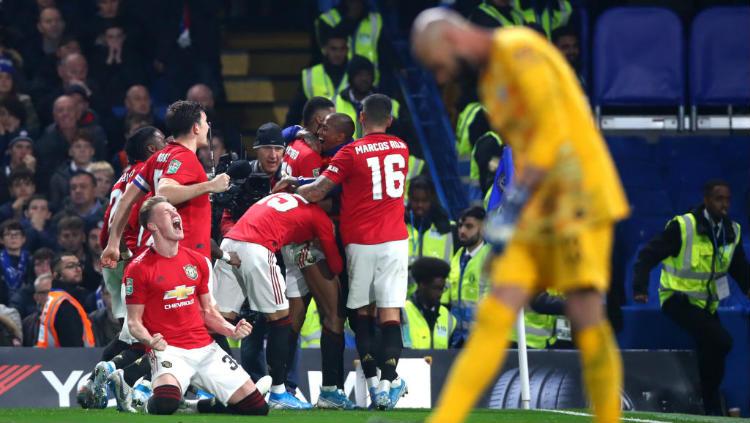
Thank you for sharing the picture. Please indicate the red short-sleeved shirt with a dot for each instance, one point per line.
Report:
(282, 219)
(134, 236)
(371, 171)
(301, 161)
(180, 164)
(169, 289)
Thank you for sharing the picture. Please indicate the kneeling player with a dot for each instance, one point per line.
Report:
(168, 301)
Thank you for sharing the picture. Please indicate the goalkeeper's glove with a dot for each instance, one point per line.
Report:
(501, 223)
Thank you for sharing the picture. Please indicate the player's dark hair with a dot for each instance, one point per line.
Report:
(144, 214)
(342, 122)
(136, 146)
(477, 212)
(21, 174)
(425, 269)
(11, 225)
(377, 109)
(181, 116)
(422, 183)
(80, 172)
(70, 223)
(313, 106)
(709, 186)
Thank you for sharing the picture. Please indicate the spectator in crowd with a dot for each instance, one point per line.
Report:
(427, 323)
(93, 247)
(42, 259)
(466, 279)
(63, 311)
(116, 64)
(82, 96)
(83, 201)
(12, 120)
(186, 45)
(325, 79)
(430, 229)
(49, 73)
(9, 91)
(567, 41)
(201, 93)
(363, 28)
(71, 238)
(11, 332)
(137, 109)
(22, 188)
(37, 223)
(694, 249)
(57, 138)
(219, 148)
(16, 260)
(81, 155)
(30, 324)
(19, 156)
(103, 323)
(138, 102)
(496, 13)
(485, 159)
(41, 47)
(105, 178)
(549, 17)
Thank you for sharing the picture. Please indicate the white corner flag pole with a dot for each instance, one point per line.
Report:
(523, 361)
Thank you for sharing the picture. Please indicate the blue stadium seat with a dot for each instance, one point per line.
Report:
(720, 57)
(640, 175)
(626, 73)
(631, 148)
(650, 202)
(639, 230)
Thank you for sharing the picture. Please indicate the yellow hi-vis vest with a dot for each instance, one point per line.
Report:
(317, 83)
(429, 243)
(474, 169)
(364, 41)
(416, 332)
(517, 17)
(310, 332)
(699, 265)
(47, 332)
(343, 105)
(415, 169)
(466, 288)
(541, 329)
(549, 20)
(465, 119)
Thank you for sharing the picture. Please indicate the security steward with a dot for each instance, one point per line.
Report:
(545, 322)
(63, 321)
(697, 251)
(427, 324)
(467, 283)
(496, 13)
(430, 230)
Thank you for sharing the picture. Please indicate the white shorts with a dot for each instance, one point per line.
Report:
(296, 258)
(209, 368)
(125, 335)
(377, 274)
(113, 283)
(227, 289)
(259, 275)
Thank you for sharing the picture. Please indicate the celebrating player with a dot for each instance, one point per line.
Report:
(265, 228)
(554, 229)
(176, 174)
(168, 301)
(371, 171)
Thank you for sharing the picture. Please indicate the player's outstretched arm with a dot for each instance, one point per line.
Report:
(111, 253)
(215, 322)
(176, 193)
(139, 332)
(316, 190)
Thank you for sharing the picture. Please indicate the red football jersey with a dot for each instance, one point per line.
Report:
(134, 236)
(301, 161)
(169, 289)
(180, 164)
(282, 219)
(372, 171)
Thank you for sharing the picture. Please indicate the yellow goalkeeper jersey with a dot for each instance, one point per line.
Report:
(534, 101)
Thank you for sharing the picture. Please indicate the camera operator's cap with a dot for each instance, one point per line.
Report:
(269, 135)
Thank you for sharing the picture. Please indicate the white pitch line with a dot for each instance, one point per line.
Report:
(625, 419)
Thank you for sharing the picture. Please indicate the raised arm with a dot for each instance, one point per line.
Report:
(317, 190)
(177, 193)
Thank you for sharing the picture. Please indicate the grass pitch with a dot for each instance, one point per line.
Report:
(77, 415)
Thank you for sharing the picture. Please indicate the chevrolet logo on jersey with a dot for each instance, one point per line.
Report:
(180, 292)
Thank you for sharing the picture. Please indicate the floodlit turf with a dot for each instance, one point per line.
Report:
(77, 415)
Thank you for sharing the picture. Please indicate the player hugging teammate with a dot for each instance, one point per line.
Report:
(168, 287)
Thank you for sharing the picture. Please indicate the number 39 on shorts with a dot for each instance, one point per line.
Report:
(392, 171)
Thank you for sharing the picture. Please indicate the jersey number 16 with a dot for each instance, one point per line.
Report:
(393, 170)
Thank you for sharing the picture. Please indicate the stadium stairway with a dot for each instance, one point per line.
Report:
(261, 73)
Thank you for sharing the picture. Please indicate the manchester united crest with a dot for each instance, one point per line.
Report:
(191, 271)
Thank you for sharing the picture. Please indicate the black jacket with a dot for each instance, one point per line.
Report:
(669, 242)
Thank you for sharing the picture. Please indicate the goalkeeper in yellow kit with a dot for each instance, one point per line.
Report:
(555, 227)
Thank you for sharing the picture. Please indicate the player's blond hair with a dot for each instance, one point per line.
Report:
(144, 214)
